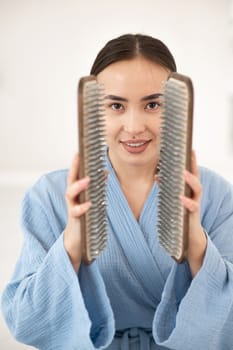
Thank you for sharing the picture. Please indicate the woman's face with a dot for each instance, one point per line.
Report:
(133, 98)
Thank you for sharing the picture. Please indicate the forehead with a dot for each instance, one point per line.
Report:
(138, 75)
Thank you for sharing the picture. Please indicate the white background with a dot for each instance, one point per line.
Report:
(46, 46)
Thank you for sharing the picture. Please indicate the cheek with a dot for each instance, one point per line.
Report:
(155, 127)
(111, 131)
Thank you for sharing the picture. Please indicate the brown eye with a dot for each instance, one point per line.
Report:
(116, 106)
(153, 105)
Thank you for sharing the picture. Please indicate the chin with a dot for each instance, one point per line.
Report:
(141, 160)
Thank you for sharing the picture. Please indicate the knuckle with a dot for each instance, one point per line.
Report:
(72, 191)
(70, 177)
(76, 211)
(197, 206)
(67, 195)
(200, 189)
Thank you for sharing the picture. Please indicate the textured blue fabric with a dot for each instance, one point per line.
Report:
(133, 289)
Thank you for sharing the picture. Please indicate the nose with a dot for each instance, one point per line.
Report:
(134, 122)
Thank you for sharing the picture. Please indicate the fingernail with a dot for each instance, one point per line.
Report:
(106, 172)
(85, 180)
(88, 205)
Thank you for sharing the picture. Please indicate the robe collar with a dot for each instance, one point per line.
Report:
(138, 239)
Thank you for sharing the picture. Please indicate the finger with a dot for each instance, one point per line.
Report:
(106, 172)
(76, 187)
(74, 168)
(156, 178)
(194, 167)
(80, 209)
(194, 183)
(190, 204)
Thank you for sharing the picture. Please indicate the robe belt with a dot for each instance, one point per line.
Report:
(130, 336)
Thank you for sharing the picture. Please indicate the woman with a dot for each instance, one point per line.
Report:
(134, 296)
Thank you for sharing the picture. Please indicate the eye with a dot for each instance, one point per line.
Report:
(116, 106)
(153, 106)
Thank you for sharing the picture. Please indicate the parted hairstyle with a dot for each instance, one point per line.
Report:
(129, 46)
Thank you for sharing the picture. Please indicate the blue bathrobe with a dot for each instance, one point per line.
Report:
(134, 296)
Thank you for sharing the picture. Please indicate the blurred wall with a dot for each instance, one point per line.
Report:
(47, 45)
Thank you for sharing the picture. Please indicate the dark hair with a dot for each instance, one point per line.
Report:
(128, 46)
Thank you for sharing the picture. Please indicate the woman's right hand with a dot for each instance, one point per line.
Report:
(72, 234)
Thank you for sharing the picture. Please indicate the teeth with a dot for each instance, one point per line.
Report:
(135, 144)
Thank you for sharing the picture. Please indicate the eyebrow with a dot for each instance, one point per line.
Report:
(151, 97)
(145, 98)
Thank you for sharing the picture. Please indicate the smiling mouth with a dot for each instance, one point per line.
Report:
(135, 143)
(138, 144)
(135, 146)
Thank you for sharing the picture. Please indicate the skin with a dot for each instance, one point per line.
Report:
(133, 108)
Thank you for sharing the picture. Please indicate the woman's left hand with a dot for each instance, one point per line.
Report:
(197, 237)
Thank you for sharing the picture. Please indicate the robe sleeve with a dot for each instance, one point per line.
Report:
(203, 316)
(46, 304)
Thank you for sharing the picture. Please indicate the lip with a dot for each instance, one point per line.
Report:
(135, 146)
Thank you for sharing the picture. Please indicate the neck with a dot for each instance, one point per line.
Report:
(130, 174)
